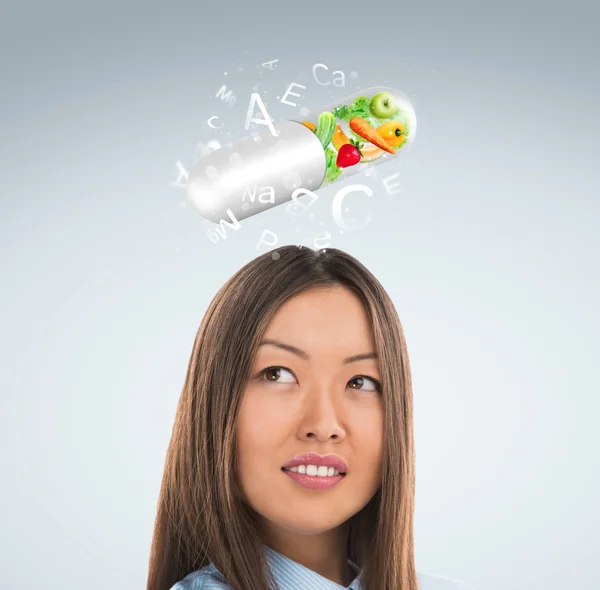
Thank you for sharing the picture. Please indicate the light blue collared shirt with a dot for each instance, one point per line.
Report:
(291, 575)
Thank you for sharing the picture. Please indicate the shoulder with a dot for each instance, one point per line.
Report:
(435, 582)
(207, 578)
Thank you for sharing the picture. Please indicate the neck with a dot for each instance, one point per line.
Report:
(324, 553)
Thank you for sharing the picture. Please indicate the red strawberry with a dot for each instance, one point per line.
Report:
(349, 154)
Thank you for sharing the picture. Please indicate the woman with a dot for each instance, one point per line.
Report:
(291, 463)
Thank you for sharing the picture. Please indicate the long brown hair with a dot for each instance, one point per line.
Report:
(200, 515)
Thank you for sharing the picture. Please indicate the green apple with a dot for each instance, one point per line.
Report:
(383, 105)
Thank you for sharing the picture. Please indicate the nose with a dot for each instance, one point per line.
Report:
(322, 417)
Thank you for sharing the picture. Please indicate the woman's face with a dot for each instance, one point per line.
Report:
(312, 402)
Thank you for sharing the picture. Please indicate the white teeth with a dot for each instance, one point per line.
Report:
(321, 471)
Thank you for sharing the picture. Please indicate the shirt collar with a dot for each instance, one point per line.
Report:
(290, 574)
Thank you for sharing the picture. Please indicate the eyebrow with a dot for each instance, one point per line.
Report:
(306, 356)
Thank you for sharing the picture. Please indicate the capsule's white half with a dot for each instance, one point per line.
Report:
(256, 173)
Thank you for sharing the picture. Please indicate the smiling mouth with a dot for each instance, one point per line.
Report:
(323, 476)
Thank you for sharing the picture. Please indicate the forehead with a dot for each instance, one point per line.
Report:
(321, 318)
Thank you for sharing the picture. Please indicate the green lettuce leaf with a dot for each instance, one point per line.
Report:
(341, 112)
(333, 171)
(360, 108)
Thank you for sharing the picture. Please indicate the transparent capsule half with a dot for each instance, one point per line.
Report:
(341, 139)
(366, 128)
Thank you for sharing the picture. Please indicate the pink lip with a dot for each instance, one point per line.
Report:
(318, 460)
(315, 482)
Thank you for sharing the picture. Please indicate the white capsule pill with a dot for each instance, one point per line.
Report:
(263, 170)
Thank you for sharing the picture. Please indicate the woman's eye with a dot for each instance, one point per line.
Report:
(361, 379)
(270, 371)
(273, 373)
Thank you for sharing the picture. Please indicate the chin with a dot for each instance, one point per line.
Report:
(304, 519)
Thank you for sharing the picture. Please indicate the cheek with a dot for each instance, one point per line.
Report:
(367, 432)
(263, 426)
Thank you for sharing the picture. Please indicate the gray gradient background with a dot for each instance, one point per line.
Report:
(490, 253)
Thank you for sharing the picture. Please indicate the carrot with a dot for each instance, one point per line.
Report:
(362, 128)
